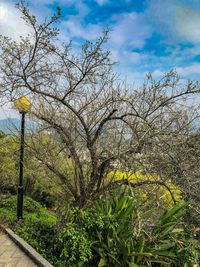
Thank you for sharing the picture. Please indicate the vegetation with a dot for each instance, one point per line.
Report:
(166, 194)
(39, 183)
(98, 122)
(37, 226)
(117, 230)
(119, 166)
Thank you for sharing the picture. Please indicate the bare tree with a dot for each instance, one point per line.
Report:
(177, 157)
(98, 122)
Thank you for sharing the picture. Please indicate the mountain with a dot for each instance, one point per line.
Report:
(12, 125)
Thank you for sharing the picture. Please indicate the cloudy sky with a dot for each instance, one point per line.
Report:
(147, 35)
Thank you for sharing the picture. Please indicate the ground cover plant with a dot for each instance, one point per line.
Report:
(38, 226)
(117, 230)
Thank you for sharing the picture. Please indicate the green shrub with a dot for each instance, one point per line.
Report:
(45, 192)
(118, 230)
(76, 246)
(121, 231)
(39, 231)
(38, 227)
(8, 208)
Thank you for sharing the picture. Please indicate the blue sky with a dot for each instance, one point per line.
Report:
(146, 36)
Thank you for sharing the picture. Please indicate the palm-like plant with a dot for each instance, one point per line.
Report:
(126, 241)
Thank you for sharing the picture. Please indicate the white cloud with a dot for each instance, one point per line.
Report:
(161, 15)
(125, 57)
(189, 70)
(185, 72)
(11, 23)
(130, 30)
(157, 73)
(187, 24)
(115, 55)
(102, 2)
(123, 36)
(88, 32)
(134, 79)
(135, 57)
(176, 20)
(75, 26)
(7, 111)
(191, 51)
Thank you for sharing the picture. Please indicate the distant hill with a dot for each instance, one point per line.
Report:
(12, 125)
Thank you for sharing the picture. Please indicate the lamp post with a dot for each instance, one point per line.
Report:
(23, 105)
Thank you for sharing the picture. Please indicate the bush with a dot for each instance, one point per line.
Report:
(121, 231)
(8, 208)
(39, 231)
(160, 193)
(45, 198)
(117, 230)
(38, 227)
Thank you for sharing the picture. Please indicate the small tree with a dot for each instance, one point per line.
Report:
(99, 123)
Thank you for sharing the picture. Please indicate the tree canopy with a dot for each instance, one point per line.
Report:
(100, 123)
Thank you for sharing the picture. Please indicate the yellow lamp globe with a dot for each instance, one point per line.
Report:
(23, 104)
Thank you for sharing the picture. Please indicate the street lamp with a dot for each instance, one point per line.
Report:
(23, 105)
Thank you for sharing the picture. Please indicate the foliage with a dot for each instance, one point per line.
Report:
(8, 163)
(117, 230)
(160, 193)
(38, 226)
(2, 134)
(178, 158)
(76, 246)
(39, 184)
(38, 229)
(30, 208)
(45, 192)
(122, 231)
(97, 120)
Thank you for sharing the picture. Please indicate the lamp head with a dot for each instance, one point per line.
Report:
(23, 104)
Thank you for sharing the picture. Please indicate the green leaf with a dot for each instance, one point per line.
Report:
(170, 213)
(102, 262)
